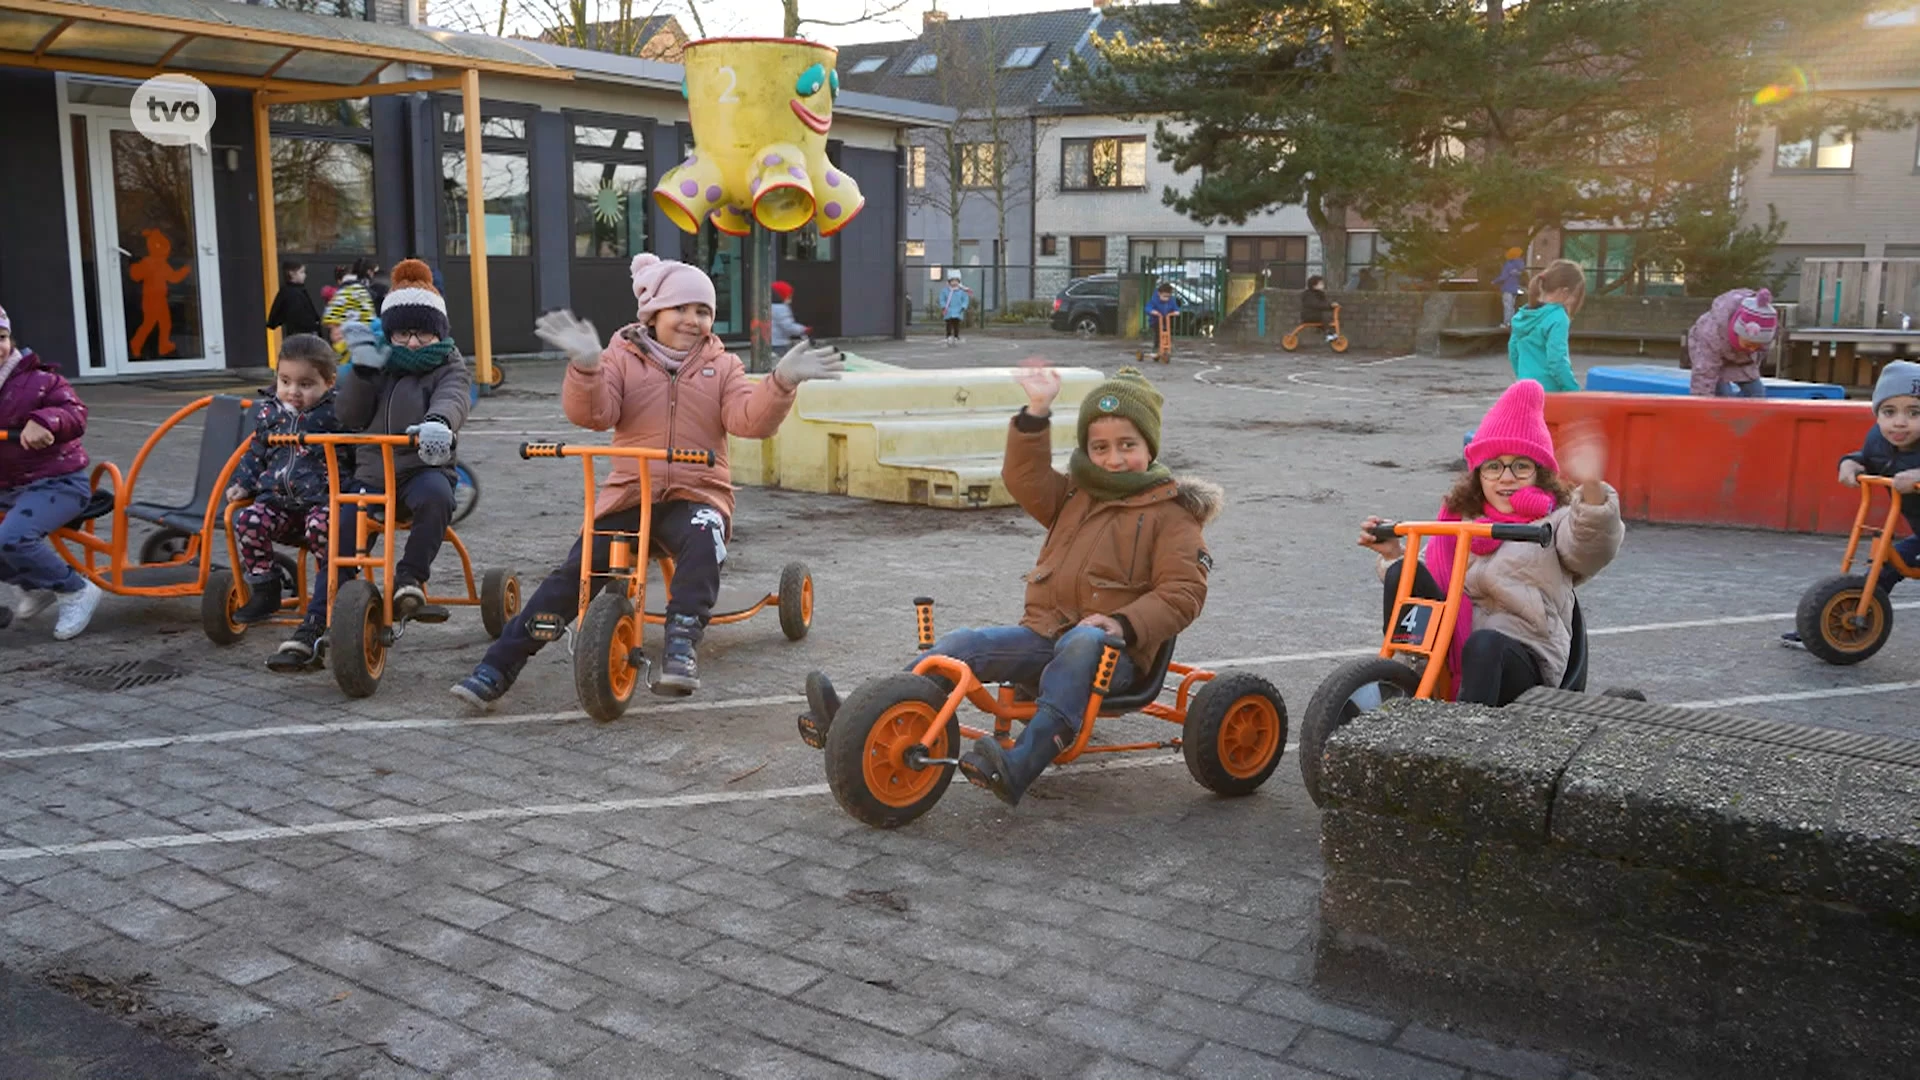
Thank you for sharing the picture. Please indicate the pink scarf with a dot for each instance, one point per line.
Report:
(1530, 504)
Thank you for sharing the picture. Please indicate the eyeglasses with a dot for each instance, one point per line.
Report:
(1522, 469)
(411, 338)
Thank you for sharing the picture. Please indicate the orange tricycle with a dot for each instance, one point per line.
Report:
(1841, 620)
(1163, 336)
(895, 742)
(1335, 339)
(608, 661)
(1413, 656)
(360, 623)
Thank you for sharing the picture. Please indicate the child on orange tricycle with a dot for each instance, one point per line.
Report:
(1160, 312)
(43, 485)
(1489, 622)
(1124, 569)
(665, 374)
(1841, 620)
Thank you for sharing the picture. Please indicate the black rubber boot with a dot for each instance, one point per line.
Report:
(263, 602)
(679, 666)
(1007, 773)
(823, 703)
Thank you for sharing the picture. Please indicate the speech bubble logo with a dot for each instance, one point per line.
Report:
(173, 110)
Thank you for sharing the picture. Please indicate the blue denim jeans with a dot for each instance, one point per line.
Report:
(1909, 550)
(1063, 668)
(31, 512)
(1752, 388)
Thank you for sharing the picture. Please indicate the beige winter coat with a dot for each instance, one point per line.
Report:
(1526, 591)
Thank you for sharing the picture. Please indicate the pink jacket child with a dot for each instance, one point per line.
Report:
(663, 382)
(1727, 342)
(43, 486)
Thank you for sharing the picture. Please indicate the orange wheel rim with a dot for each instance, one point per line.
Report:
(233, 606)
(1837, 622)
(371, 650)
(1249, 736)
(621, 673)
(513, 596)
(883, 762)
(806, 601)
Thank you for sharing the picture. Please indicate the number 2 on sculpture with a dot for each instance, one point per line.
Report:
(727, 96)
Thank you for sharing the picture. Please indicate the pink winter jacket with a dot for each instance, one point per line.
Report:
(709, 399)
(1711, 350)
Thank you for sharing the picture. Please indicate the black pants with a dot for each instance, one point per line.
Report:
(426, 501)
(1494, 669)
(953, 328)
(692, 533)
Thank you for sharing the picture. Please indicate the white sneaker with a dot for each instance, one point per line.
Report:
(76, 611)
(33, 602)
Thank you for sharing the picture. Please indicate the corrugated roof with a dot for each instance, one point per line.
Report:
(1057, 33)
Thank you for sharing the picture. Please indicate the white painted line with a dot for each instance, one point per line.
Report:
(1299, 378)
(1803, 695)
(497, 813)
(239, 734)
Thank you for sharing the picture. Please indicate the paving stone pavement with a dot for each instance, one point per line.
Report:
(382, 888)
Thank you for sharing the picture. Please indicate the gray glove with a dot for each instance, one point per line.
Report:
(435, 441)
(571, 335)
(364, 350)
(809, 361)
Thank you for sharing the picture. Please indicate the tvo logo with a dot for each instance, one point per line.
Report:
(173, 110)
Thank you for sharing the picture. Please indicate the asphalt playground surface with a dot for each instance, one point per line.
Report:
(382, 887)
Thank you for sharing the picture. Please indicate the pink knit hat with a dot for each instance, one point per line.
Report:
(1754, 321)
(5, 323)
(1517, 424)
(663, 283)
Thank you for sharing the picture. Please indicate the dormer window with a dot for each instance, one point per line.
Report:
(1024, 56)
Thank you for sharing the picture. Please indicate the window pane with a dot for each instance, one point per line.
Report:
(805, 244)
(323, 195)
(491, 127)
(339, 9)
(351, 114)
(1836, 151)
(1794, 155)
(1133, 164)
(609, 210)
(503, 188)
(1105, 154)
(1193, 249)
(923, 64)
(916, 167)
(867, 64)
(1073, 165)
(616, 138)
(916, 249)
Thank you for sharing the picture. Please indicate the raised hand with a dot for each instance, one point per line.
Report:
(809, 361)
(1041, 382)
(571, 335)
(364, 349)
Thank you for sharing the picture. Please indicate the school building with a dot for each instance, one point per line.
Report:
(521, 170)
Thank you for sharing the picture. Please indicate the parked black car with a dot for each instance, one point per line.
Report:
(1091, 305)
(1088, 305)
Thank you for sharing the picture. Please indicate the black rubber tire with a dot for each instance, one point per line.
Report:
(163, 545)
(1216, 716)
(499, 600)
(847, 747)
(466, 492)
(609, 618)
(796, 600)
(356, 632)
(1813, 620)
(221, 598)
(1086, 325)
(289, 571)
(1332, 707)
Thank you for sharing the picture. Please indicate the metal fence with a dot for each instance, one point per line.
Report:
(1016, 294)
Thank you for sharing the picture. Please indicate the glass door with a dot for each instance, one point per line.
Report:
(156, 251)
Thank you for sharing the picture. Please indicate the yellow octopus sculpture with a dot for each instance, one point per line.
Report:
(760, 110)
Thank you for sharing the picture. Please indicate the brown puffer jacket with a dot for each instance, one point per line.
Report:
(1141, 559)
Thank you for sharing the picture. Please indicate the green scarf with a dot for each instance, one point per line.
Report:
(405, 361)
(1106, 486)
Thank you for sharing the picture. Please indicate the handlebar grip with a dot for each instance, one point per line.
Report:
(530, 450)
(1541, 534)
(1382, 532)
(691, 457)
(287, 440)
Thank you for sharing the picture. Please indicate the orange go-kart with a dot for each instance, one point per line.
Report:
(1841, 619)
(360, 623)
(608, 662)
(895, 742)
(1335, 339)
(1413, 657)
(175, 558)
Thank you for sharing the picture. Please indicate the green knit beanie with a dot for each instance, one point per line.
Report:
(1128, 394)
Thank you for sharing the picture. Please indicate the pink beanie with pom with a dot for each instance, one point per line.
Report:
(1517, 424)
(1755, 321)
(659, 284)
